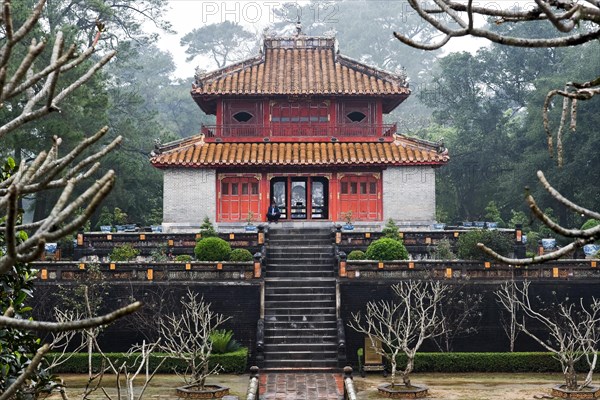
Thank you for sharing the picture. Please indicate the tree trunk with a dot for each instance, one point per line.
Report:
(409, 367)
(393, 372)
(570, 376)
(588, 378)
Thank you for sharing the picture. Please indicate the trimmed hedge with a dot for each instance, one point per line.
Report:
(487, 362)
(232, 363)
(240, 255)
(212, 249)
(356, 255)
(386, 249)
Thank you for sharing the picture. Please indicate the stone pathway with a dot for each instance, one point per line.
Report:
(301, 386)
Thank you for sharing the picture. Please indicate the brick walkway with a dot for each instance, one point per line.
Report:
(301, 386)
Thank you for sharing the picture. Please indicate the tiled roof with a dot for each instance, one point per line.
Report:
(300, 65)
(197, 153)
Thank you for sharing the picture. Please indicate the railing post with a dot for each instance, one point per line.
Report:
(519, 248)
(341, 334)
(253, 384)
(260, 342)
(349, 391)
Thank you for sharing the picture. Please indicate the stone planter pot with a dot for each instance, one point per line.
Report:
(590, 392)
(209, 392)
(402, 392)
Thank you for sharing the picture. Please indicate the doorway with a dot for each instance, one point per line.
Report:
(301, 197)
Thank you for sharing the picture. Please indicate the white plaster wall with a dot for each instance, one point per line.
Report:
(409, 195)
(189, 196)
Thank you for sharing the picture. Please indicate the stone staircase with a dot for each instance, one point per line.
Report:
(300, 306)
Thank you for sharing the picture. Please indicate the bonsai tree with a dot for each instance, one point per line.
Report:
(570, 330)
(391, 230)
(186, 336)
(207, 229)
(403, 326)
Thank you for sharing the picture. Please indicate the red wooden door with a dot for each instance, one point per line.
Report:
(239, 197)
(360, 194)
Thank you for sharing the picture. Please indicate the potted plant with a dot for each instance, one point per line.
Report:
(348, 218)
(250, 227)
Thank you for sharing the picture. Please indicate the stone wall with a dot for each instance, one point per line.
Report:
(488, 335)
(238, 300)
(409, 195)
(189, 197)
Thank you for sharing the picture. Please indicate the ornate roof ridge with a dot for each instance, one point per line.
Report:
(357, 65)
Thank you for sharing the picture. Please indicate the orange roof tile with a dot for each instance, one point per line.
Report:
(300, 65)
(196, 153)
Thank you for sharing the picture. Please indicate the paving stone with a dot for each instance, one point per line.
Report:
(301, 386)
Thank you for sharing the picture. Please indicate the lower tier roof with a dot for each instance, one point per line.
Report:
(196, 153)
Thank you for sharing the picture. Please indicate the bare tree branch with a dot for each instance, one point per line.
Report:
(70, 325)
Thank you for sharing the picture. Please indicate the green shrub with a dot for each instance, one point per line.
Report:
(212, 249)
(223, 342)
(391, 230)
(386, 249)
(220, 338)
(240, 255)
(183, 258)
(496, 240)
(124, 252)
(356, 255)
(235, 362)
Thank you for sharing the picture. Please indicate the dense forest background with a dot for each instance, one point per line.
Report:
(484, 105)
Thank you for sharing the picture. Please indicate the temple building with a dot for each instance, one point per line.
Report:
(301, 125)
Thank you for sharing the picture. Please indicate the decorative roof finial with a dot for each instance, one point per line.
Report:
(298, 27)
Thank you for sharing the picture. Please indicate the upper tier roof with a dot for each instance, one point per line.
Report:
(300, 66)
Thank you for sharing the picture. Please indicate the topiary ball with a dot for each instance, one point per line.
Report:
(386, 249)
(212, 249)
(240, 255)
(356, 255)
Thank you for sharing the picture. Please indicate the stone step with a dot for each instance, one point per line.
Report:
(317, 349)
(300, 311)
(298, 297)
(309, 282)
(298, 274)
(318, 337)
(299, 241)
(285, 354)
(283, 303)
(286, 364)
(320, 266)
(298, 255)
(300, 320)
(297, 231)
(306, 291)
(296, 325)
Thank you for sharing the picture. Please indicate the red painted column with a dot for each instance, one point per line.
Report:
(265, 197)
(334, 192)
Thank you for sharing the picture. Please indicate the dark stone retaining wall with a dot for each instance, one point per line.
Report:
(239, 300)
(490, 336)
